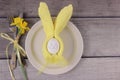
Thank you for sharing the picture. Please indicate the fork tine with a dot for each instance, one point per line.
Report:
(10, 20)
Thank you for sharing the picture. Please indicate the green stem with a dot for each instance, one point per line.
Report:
(19, 57)
(21, 65)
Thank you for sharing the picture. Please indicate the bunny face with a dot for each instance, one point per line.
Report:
(53, 46)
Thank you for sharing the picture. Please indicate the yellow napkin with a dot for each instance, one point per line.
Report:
(53, 30)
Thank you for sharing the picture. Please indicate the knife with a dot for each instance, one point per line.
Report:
(13, 62)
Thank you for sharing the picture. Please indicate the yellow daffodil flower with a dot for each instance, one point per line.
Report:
(21, 24)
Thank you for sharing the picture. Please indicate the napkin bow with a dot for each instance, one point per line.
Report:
(52, 30)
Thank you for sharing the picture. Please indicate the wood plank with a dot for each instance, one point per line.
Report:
(10, 7)
(87, 69)
(4, 24)
(3, 44)
(82, 8)
(101, 35)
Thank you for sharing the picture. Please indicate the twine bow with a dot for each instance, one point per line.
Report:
(22, 27)
(19, 50)
(15, 42)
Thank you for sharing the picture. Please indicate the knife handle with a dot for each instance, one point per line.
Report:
(13, 61)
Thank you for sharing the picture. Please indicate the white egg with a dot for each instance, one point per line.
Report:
(53, 46)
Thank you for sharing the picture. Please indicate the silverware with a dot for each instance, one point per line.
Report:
(13, 61)
(22, 58)
(13, 55)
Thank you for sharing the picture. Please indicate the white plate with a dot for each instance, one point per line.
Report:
(73, 48)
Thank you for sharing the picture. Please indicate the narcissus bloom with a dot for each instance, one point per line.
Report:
(21, 24)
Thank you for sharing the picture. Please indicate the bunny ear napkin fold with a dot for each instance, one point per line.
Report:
(53, 45)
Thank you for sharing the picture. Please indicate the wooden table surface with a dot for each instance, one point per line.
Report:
(99, 24)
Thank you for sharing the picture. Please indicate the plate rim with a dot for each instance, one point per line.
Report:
(46, 70)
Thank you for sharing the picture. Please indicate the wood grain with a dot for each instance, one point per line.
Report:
(82, 8)
(99, 24)
(4, 28)
(101, 36)
(87, 69)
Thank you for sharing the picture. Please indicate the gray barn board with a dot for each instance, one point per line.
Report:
(97, 20)
(82, 8)
(87, 69)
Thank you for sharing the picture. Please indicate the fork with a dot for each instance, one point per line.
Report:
(13, 62)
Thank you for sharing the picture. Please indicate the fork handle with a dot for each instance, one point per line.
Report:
(13, 61)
